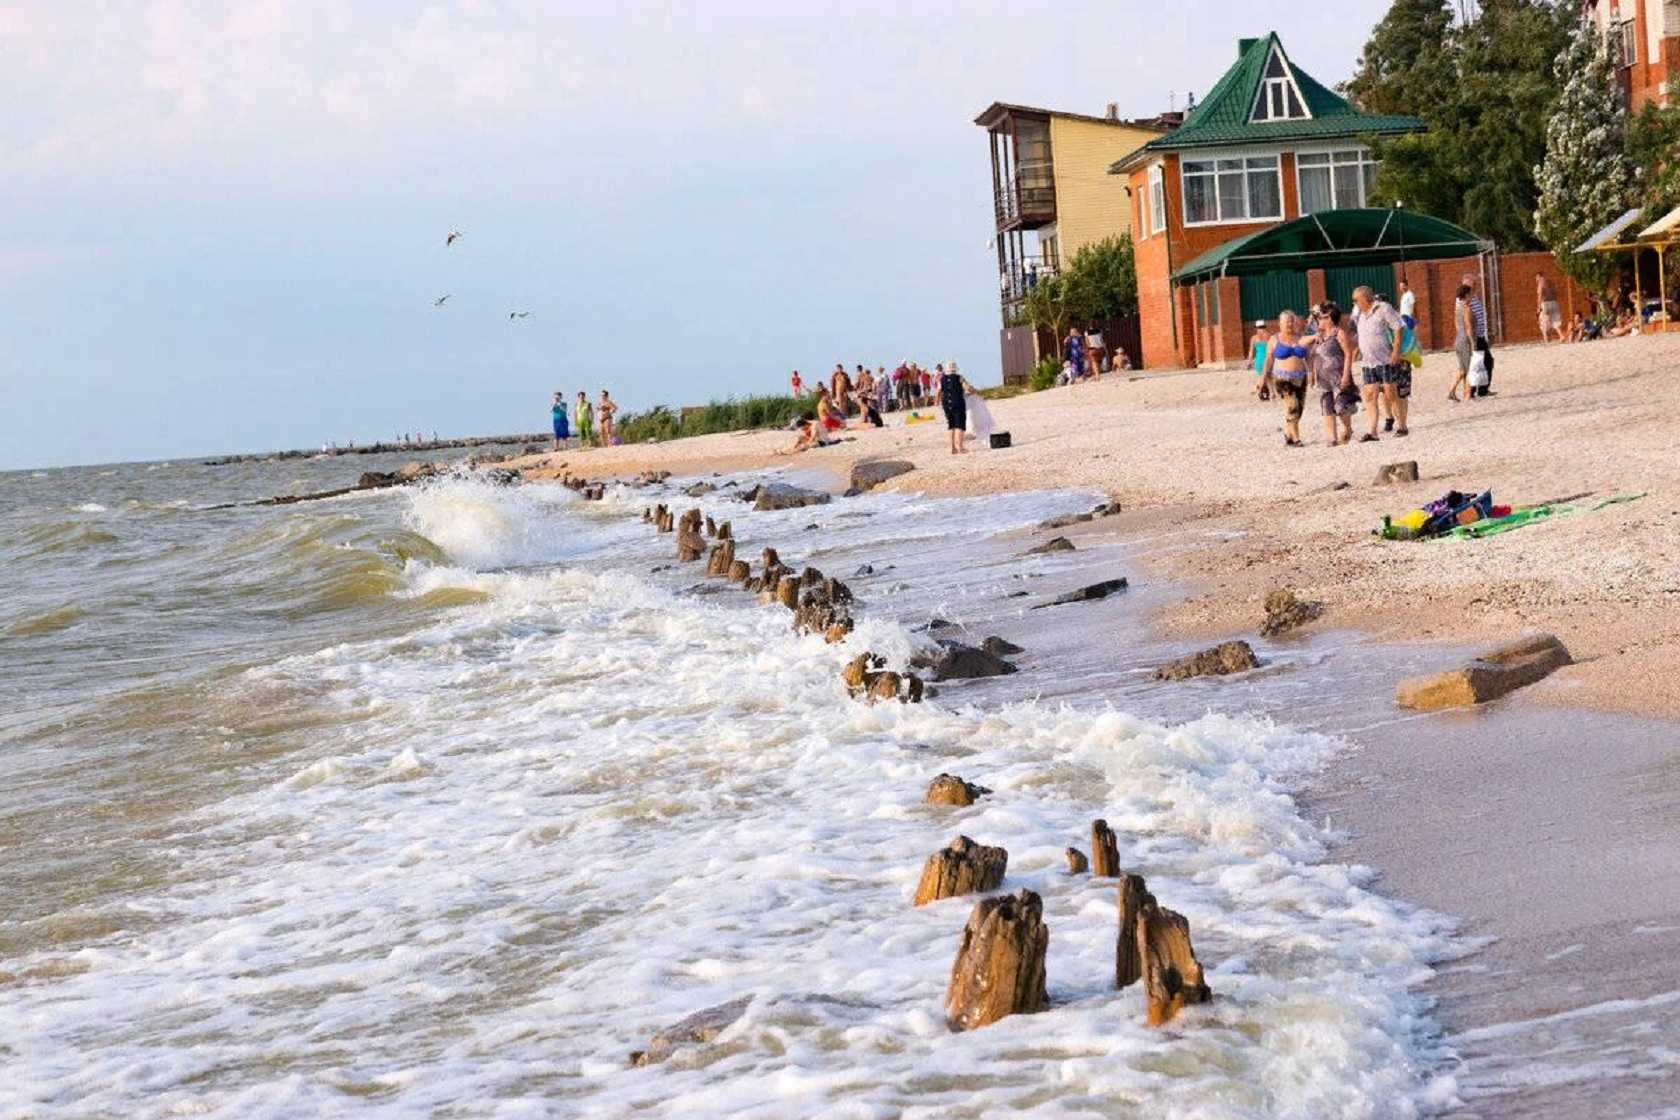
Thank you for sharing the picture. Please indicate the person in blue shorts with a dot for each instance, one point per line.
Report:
(562, 428)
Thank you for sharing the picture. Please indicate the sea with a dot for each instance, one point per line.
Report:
(441, 800)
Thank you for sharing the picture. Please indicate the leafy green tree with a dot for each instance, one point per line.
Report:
(1585, 179)
(1653, 148)
(1100, 283)
(1484, 90)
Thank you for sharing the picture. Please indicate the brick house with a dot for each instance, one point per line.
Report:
(1258, 203)
(1644, 37)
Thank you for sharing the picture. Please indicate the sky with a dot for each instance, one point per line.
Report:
(222, 224)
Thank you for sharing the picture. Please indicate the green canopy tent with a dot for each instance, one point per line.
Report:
(1334, 238)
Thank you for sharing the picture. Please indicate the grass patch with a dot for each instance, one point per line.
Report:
(746, 414)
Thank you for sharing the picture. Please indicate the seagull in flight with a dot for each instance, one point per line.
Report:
(450, 240)
(519, 314)
(439, 301)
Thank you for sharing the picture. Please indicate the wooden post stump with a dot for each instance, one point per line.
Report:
(740, 572)
(1076, 861)
(725, 533)
(962, 868)
(787, 592)
(1129, 899)
(999, 968)
(771, 560)
(1172, 976)
(711, 526)
(1105, 850)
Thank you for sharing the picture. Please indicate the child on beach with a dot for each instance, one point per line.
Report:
(562, 431)
(585, 423)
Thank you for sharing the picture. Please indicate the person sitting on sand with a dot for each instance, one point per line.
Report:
(585, 422)
(810, 435)
(562, 429)
(604, 418)
(953, 399)
(1286, 367)
(1627, 323)
(828, 414)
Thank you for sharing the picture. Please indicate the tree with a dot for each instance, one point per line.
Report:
(1484, 89)
(1585, 179)
(1099, 283)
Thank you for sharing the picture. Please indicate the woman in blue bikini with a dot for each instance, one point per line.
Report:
(1286, 365)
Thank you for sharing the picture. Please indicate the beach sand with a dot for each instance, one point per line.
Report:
(1196, 450)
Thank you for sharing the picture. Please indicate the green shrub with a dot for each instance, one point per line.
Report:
(1044, 374)
(747, 414)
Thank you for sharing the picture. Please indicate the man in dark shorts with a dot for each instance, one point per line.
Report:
(952, 399)
(1377, 327)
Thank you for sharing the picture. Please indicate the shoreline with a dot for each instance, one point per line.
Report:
(1196, 449)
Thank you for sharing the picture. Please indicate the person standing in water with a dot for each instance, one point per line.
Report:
(562, 430)
(953, 392)
(604, 418)
(583, 420)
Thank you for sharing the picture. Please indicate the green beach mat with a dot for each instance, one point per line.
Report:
(1528, 516)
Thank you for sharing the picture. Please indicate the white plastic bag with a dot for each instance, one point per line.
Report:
(1478, 376)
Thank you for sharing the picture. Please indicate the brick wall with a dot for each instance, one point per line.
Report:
(1436, 284)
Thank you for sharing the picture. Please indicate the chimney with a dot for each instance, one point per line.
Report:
(1113, 111)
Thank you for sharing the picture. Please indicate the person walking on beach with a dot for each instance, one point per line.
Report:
(583, 420)
(1550, 313)
(1095, 350)
(1073, 349)
(1464, 327)
(796, 384)
(1338, 397)
(604, 418)
(1479, 321)
(1385, 374)
(1408, 306)
(1257, 348)
(562, 430)
(883, 391)
(1286, 367)
(953, 399)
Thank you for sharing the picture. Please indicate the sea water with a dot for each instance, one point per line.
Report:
(441, 801)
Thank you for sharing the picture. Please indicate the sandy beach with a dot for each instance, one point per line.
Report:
(1195, 449)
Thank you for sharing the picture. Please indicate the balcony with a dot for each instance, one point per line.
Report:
(1025, 206)
(1015, 283)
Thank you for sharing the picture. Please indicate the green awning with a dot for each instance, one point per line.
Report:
(1333, 238)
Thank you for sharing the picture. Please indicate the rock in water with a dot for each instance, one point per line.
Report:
(1055, 544)
(779, 495)
(955, 661)
(999, 968)
(868, 475)
(1488, 677)
(702, 1026)
(1129, 898)
(1076, 861)
(1088, 594)
(787, 592)
(1397, 472)
(1285, 612)
(998, 647)
(948, 789)
(962, 868)
(740, 572)
(1172, 976)
(1222, 659)
(1105, 850)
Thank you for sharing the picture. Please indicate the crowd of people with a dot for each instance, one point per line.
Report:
(591, 426)
(1364, 358)
(864, 397)
(1086, 356)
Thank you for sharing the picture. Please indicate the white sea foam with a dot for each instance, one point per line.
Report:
(620, 805)
(91, 507)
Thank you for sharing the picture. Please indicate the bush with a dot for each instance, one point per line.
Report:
(1044, 374)
(660, 423)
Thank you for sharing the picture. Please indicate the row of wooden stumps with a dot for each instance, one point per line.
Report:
(1000, 965)
(587, 490)
(820, 604)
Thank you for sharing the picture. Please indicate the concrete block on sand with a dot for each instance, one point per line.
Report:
(1397, 472)
(1488, 677)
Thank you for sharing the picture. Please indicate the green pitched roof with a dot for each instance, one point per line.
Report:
(1223, 117)
(1334, 237)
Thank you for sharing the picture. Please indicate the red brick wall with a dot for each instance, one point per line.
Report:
(1228, 347)
(1521, 309)
(1436, 284)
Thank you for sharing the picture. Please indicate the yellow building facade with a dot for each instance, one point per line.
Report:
(1088, 207)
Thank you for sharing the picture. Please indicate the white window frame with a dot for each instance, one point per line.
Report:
(1157, 199)
(1330, 155)
(1263, 95)
(1213, 157)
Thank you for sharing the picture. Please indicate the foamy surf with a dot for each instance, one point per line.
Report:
(505, 845)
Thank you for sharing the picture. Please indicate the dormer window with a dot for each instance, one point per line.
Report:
(1278, 99)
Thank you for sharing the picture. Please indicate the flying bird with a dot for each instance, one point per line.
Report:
(438, 302)
(519, 314)
(450, 240)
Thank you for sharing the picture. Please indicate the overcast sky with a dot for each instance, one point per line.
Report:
(224, 223)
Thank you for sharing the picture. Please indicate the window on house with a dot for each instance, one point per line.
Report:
(1334, 180)
(1629, 47)
(1231, 190)
(1157, 200)
(1278, 99)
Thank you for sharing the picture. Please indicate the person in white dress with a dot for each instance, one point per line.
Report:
(980, 424)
